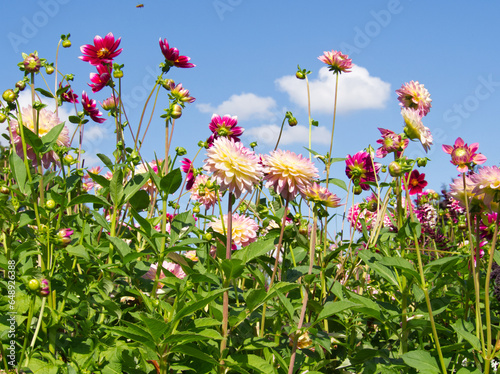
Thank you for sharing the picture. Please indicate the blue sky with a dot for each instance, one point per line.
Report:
(247, 51)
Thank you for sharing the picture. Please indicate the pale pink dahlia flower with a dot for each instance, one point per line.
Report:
(337, 61)
(321, 195)
(414, 95)
(415, 129)
(143, 169)
(172, 267)
(289, 173)
(487, 182)
(47, 120)
(244, 229)
(235, 167)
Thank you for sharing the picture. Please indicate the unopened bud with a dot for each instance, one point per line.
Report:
(292, 121)
(421, 162)
(49, 69)
(357, 190)
(3, 117)
(180, 151)
(21, 85)
(300, 75)
(44, 290)
(66, 43)
(34, 284)
(395, 169)
(32, 63)
(9, 96)
(176, 111)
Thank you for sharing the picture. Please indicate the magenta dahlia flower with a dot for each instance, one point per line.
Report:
(361, 168)
(188, 168)
(101, 78)
(337, 61)
(235, 167)
(414, 95)
(390, 142)
(416, 182)
(179, 93)
(463, 155)
(47, 120)
(244, 229)
(90, 108)
(172, 56)
(225, 127)
(288, 173)
(102, 52)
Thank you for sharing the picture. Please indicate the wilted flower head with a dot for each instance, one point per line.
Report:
(244, 229)
(101, 78)
(321, 195)
(487, 182)
(390, 142)
(415, 96)
(414, 128)
(225, 127)
(69, 96)
(203, 191)
(337, 61)
(416, 182)
(361, 168)
(463, 155)
(102, 52)
(90, 108)
(289, 173)
(172, 56)
(47, 120)
(235, 167)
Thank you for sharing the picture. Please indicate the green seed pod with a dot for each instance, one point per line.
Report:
(34, 284)
(50, 204)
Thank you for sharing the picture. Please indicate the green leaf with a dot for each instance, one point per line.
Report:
(181, 225)
(171, 182)
(232, 268)
(106, 161)
(51, 137)
(421, 360)
(400, 263)
(18, 171)
(250, 361)
(122, 247)
(44, 92)
(88, 199)
(254, 250)
(116, 188)
(193, 352)
(197, 305)
(75, 119)
(134, 185)
(33, 140)
(314, 123)
(78, 251)
(372, 260)
(156, 327)
(254, 298)
(338, 182)
(135, 333)
(333, 307)
(462, 329)
(101, 221)
(140, 200)
(99, 179)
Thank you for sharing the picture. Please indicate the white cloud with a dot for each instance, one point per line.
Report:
(245, 106)
(268, 135)
(357, 90)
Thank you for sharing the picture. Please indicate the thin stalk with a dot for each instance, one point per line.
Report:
(309, 116)
(279, 136)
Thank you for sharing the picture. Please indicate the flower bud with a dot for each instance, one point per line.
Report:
(421, 162)
(196, 209)
(68, 159)
(207, 236)
(395, 169)
(66, 43)
(168, 84)
(63, 236)
(4, 190)
(110, 103)
(300, 75)
(32, 63)
(357, 190)
(21, 85)
(34, 284)
(117, 74)
(303, 229)
(180, 151)
(9, 96)
(49, 69)
(50, 204)
(3, 117)
(292, 121)
(253, 144)
(44, 290)
(176, 111)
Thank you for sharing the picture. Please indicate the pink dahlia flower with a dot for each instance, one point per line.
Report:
(244, 229)
(463, 155)
(320, 195)
(47, 120)
(172, 56)
(90, 108)
(457, 191)
(101, 78)
(415, 129)
(142, 169)
(225, 127)
(337, 61)
(68, 95)
(188, 168)
(180, 93)
(203, 191)
(102, 52)
(414, 95)
(288, 173)
(235, 167)
(362, 168)
(487, 182)
(172, 267)
(390, 142)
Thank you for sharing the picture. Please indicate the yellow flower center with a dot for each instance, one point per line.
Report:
(103, 52)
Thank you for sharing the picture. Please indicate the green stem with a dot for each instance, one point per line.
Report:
(227, 281)
(309, 115)
(27, 333)
(279, 136)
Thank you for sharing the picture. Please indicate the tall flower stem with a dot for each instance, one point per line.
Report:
(312, 246)
(333, 129)
(227, 281)
(309, 116)
(279, 136)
